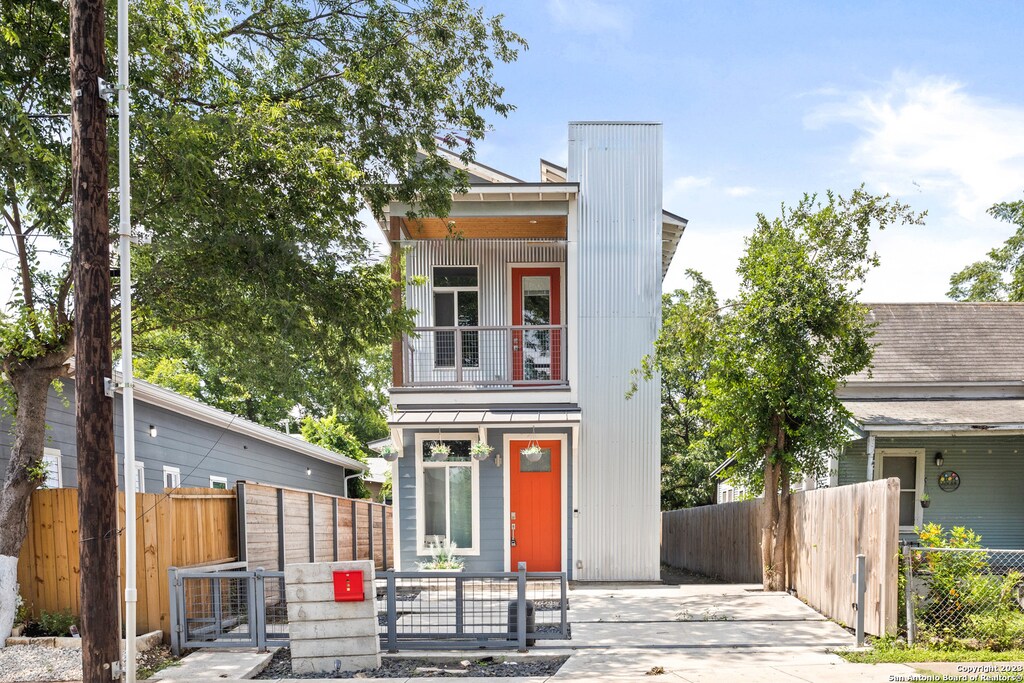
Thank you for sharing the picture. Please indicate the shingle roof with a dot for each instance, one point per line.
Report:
(947, 342)
(967, 413)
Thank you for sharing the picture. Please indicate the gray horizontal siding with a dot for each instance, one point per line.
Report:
(991, 470)
(492, 500)
(198, 449)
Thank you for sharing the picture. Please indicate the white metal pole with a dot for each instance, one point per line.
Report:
(124, 199)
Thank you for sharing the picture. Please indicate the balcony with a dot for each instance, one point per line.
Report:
(508, 357)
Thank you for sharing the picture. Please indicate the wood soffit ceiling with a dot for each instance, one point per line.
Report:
(491, 227)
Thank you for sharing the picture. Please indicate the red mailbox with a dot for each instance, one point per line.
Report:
(348, 586)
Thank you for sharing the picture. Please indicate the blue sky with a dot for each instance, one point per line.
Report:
(762, 101)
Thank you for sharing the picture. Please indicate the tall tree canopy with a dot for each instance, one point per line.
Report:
(682, 356)
(260, 129)
(792, 334)
(1000, 277)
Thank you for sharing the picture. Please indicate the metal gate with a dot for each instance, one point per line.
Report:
(227, 606)
(468, 610)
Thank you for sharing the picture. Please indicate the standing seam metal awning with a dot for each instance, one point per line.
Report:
(485, 418)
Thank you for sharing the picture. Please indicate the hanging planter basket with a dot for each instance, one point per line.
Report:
(389, 453)
(925, 503)
(480, 450)
(440, 452)
(532, 453)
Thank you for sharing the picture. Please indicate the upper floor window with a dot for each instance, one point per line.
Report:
(456, 304)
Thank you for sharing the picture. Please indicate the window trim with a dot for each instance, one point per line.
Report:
(215, 479)
(434, 289)
(919, 479)
(176, 471)
(140, 476)
(53, 455)
(421, 549)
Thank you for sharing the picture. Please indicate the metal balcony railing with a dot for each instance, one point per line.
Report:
(485, 356)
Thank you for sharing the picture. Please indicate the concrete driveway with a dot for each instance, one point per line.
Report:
(705, 632)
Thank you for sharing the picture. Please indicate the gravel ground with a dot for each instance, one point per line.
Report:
(35, 663)
(403, 667)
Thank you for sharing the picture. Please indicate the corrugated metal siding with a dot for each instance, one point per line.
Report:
(619, 168)
(991, 470)
(492, 257)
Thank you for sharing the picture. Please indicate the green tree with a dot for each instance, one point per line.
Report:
(682, 356)
(332, 433)
(260, 129)
(794, 332)
(1000, 277)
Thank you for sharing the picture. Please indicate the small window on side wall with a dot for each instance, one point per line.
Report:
(218, 483)
(140, 477)
(54, 474)
(172, 478)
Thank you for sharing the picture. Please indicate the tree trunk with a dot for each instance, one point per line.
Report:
(90, 262)
(31, 382)
(775, 531)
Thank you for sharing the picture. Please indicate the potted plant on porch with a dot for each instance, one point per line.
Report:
(442, 558)
(926, 500)
(532, 452)
(440, 451)
(389, 452)
(480, 450)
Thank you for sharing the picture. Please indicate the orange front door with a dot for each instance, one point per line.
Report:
(536, 320)
(535, 505)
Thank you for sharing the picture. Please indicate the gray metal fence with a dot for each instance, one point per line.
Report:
(226, 606)
(966, 596)
(458, 610)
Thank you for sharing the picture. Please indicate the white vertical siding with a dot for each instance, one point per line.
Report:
(619, 168)
(492, 257)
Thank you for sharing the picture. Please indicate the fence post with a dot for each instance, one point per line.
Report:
(258, 610)
(908, 593)
(521, 607)
(355, 533)
(564, 603)
(384, 534)
(280, 530)
(312, 530)
(369, 518)
(459, 607)
(334, 526)
(172, 576)
(392, 613)
(862, 586)
(218, 607)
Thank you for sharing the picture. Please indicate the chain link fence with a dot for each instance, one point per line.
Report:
(971, 598)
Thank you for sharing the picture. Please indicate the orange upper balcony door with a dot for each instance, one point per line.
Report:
(535, 502)
(536, 317)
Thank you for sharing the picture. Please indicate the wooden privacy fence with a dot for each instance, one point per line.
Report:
(830, 527)
(187, 527)
(286, 526)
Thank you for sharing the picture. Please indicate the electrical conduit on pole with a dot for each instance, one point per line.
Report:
(125, 232)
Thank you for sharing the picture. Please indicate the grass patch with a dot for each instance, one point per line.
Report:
(886, 651)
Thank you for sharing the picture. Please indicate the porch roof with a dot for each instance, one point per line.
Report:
(483, 417)
(938, 414)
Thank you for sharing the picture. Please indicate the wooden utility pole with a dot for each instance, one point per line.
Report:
(97, 467)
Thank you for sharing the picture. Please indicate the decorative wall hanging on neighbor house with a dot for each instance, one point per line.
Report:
(949, 481)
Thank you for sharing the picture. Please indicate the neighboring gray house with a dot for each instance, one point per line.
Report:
(539, 300)
(943, 410)
(182, 442)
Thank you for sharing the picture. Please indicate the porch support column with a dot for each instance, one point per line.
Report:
(397, 352)
(871, 457)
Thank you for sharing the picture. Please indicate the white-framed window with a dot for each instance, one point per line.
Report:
(140, 476)
(54, 470)
(447, 495)
(218, 482)
(456, 304)
(907, 465)
(172, 477)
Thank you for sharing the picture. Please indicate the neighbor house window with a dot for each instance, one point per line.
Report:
(907, 465)
(456, 304)
(140, 477)
(54, 474)
(218, 482)
(172, 477)
(447, 495)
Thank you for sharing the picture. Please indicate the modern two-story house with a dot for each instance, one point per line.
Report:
(534, 302)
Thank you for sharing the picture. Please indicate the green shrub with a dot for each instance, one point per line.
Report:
(51, 624)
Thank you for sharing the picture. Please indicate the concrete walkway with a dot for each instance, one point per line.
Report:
(695, 632)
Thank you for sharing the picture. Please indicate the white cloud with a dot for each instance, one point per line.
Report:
(591, 16)
(929, 135)
(740, 190)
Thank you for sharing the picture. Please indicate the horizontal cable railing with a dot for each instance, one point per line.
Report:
(485, 356)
